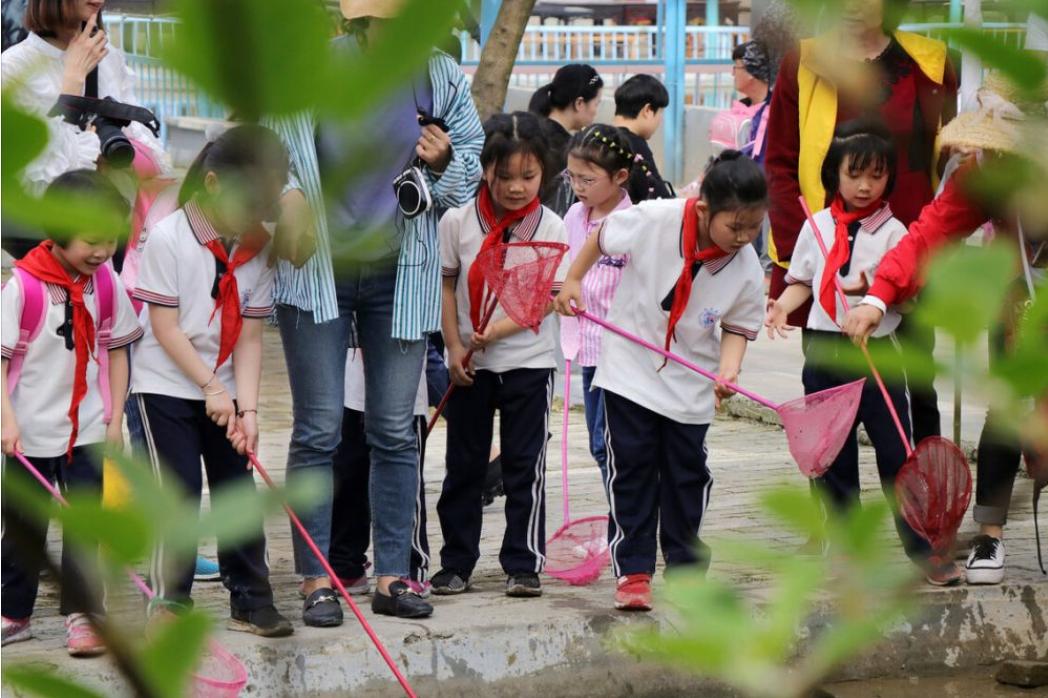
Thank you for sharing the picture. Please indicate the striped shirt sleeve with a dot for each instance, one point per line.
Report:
(745, 316)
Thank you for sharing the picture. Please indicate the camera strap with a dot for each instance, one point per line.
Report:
(91, 84)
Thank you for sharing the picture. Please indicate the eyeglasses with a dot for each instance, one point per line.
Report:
(578, 181)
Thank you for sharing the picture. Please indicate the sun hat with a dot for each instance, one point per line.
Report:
(998, 123)
(354, 9)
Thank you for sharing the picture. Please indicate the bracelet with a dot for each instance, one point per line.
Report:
(214, 374)
(241, 413)
(214, 392)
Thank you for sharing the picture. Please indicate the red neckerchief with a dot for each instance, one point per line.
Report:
(228, 300)
(840, 252)
(496, 227)
(692, 255)
(41, 263)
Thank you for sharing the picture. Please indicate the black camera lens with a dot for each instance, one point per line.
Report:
(116, 148)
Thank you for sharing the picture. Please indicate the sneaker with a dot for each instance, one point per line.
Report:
(943, 574)
(986, 562)
(633, 593)
(402, 602)
(449, 583)
(525, 585)
(206, 570)
(421, 589)
(16, 631)
(321, 609)
(81, 638)
(265, 621)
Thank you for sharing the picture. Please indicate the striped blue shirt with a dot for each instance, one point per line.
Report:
(416, 300)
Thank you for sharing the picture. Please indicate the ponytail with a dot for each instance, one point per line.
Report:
(570, 82)
(246, 148)
(193, 182)
(540, 101)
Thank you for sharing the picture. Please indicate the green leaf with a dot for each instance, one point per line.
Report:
(1021, 67)
(24, 136)
(125, 534)
(797, 508)
(174, 652)
(43, 681)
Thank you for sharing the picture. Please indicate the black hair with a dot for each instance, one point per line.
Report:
(733, 181)
(641, 89)
(605, 146)
(88, 184)
(248, 148)
(864, 142)
(569, 83)
(506, 135)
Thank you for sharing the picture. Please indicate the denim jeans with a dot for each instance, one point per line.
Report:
(591, 398)
(316, 362)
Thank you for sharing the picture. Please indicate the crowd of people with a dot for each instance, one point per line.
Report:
(378, 302)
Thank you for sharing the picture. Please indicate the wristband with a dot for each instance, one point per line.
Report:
(241, 413)
(214, 392)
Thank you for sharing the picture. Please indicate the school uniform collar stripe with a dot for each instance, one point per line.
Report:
(58, 294)
(873, 222)
(202, 228)
(715, 265)
(523, 231)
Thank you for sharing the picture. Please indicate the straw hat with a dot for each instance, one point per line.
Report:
(998, 122)
(354, 9)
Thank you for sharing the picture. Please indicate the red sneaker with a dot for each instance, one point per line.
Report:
(633, 593)
(81, 639)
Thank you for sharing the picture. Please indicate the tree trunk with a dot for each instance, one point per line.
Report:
(498, 56)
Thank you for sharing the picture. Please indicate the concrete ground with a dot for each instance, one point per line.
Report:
(557, 645)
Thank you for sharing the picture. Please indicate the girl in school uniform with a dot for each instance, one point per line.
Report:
(511, 371)
(599, 164)
(858, 229)
(693, 284)
(196, 373)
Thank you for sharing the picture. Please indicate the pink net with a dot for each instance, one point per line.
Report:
(934, 488)
(521, 275)
(817, 425)
(578, 551)
(220, 674)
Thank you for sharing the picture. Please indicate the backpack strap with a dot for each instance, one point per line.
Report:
(105, 304)
(32, 320)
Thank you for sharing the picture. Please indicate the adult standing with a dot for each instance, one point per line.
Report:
(864, 65)
(567, 104)
(373, 282)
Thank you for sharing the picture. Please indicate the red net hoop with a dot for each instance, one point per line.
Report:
(521, 275)
(934, 488)
(817, 425)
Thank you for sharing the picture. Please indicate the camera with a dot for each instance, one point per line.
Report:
(413, 197)
(109, 117)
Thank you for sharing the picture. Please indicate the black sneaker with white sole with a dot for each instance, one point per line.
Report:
(523, 585)
(265, 621)
(986, 562)
(449, 582)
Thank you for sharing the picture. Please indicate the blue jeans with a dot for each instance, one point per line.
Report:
(316, 362)
(592, 399)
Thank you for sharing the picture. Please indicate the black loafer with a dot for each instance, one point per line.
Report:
(322, 610)
(401, 603)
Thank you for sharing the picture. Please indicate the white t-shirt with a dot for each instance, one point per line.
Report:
(878, 233)
(461, 235)
(178, 271)
(355, 391)
(727, 295)
(41, 398)
(37, 68)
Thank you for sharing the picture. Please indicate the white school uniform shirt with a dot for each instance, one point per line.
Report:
(878, 233)
(355, 391)
(178, 271)
(462, 232)
(41, 398)
(726, 296)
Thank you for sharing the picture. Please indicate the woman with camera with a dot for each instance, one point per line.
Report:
(67, 54)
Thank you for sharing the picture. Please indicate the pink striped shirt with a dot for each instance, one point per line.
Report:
(599, 284)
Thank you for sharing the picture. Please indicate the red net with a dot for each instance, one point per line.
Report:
(817, 425)
(220, 674)
(934, 488)
(521, 275)
(578, 551)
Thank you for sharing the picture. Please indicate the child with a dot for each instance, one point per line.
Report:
(691, 268)
(599, 162)
(56, 412)
(639, 105)
(351, 511)
(858, 229)
(205, 278)
(512, 370)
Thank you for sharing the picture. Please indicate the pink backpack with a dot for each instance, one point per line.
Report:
(730, 128)
(34, 312)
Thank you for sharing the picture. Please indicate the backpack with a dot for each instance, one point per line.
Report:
(731, 128)
(34, 312)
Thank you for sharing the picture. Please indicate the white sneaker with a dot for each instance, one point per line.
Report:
(986, 562)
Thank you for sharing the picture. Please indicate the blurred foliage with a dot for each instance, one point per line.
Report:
(851, 595)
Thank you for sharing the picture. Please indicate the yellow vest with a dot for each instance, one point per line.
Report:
(817, 113)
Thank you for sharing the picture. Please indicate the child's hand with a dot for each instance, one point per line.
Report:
(220, 408)
(861, 321)
(569, 298)
(775, 320)
(11, 437)
(245, 436)
(479, 341)
(460, 375)
(115, 436)
(721, 391)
